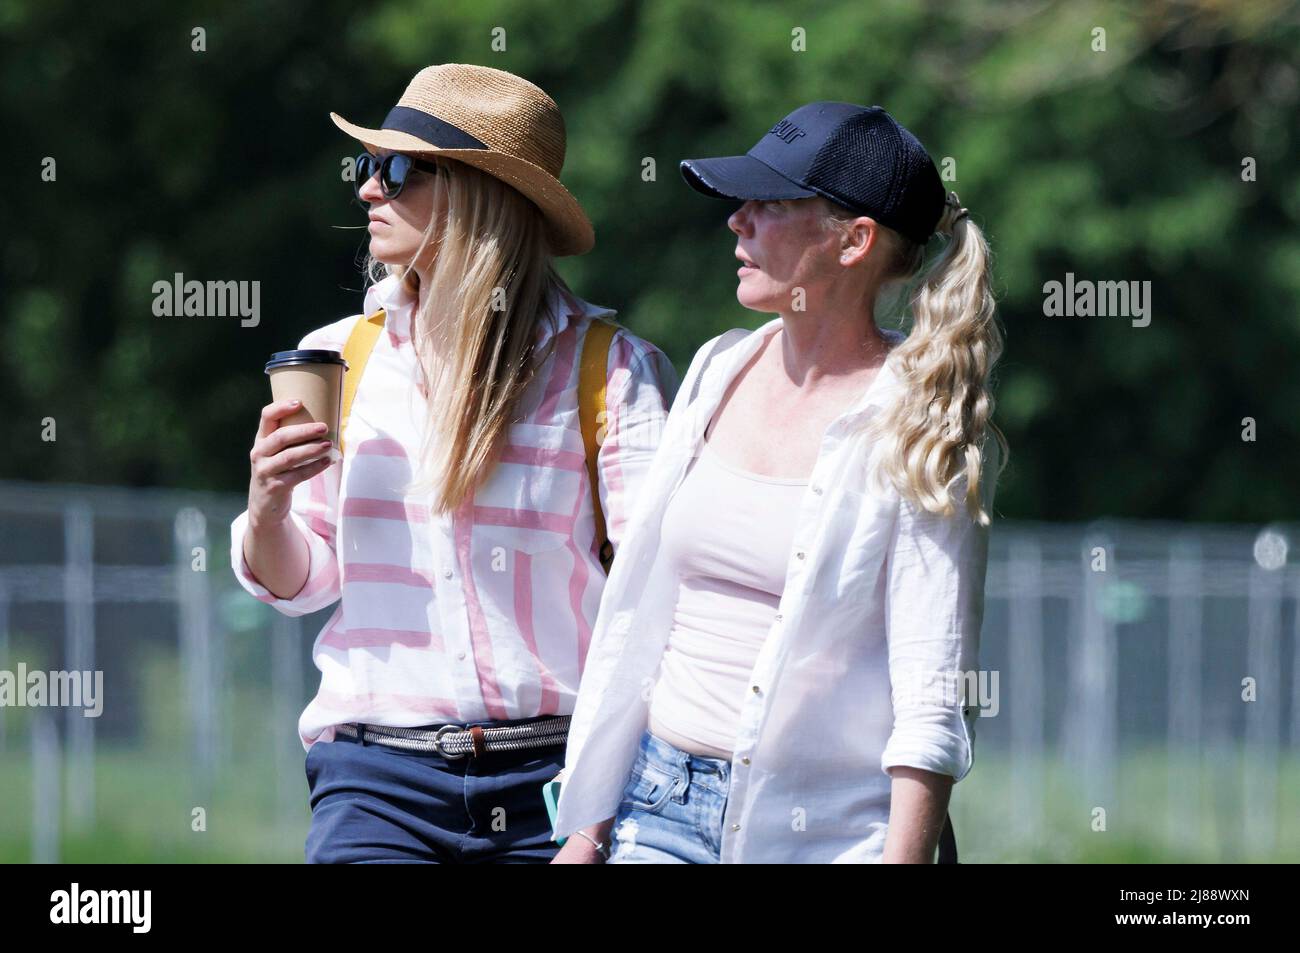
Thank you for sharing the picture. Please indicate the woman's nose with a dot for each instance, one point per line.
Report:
(738, 221)
(370, 190)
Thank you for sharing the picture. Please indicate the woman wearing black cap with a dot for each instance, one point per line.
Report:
(778, 671)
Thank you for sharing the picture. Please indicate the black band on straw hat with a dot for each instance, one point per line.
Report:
(430, 128)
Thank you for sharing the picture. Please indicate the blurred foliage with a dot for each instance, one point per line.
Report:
(1117, 165)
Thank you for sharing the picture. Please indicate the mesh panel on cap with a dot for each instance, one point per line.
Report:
(921, 193)
(877, 166)
(860, 158)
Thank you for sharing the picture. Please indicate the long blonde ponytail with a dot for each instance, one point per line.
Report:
(934, 434)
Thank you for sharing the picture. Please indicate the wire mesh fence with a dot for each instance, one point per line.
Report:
(1138, 686)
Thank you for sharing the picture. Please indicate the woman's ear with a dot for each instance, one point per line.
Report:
(859, 238)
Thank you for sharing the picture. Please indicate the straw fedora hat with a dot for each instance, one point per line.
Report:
(496, 122)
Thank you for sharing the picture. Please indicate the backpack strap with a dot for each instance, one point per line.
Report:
(592, 376)
(591, 398)
(356, 352)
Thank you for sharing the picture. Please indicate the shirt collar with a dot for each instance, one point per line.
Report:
(565, 306)
(399, 306)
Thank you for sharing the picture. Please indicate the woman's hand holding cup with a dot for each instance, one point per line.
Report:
(282, 457)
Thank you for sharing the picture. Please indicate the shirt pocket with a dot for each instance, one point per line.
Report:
(527, 504)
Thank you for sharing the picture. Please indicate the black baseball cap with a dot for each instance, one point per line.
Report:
(858, 156)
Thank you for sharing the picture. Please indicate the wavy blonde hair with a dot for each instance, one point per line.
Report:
(933, 436)
(475, 334)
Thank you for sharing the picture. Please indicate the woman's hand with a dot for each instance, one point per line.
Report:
(578, 850)
(282, 458)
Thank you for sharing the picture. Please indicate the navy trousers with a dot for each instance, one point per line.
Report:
(374, 804)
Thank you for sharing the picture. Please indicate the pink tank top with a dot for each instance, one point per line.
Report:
(727, 533)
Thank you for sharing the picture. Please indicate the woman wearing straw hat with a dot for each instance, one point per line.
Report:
(466, 526)
(777, 671)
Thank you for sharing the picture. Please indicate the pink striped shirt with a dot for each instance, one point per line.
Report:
(485, 613)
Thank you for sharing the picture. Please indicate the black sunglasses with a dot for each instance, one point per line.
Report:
(393, 169)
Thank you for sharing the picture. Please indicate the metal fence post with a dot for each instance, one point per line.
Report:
(1264, 714)
(1025, 572)
(286, 687)
(1092, 718)
(190, 527)
(1186, 619)
(47, 800)
(4, 649)
(79, 656)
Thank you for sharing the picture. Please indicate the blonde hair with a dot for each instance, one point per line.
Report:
(933, 436)
(475, 334)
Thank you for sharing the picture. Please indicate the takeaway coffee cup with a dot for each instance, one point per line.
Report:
(314, 377)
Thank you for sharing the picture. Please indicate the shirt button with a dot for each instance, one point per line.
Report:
(818, 490)
(778, 617)
(744, 761)
(799, 554)
(735, 827)
(446, 574)
(755, 687)
(461, 656)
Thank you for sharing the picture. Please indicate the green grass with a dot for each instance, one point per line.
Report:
(144, 802)
(143, 813)
(1138, 828)
(145, 794)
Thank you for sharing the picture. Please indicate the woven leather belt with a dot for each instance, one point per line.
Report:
(454, 741)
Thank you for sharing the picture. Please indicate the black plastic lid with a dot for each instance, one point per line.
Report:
(309, 356)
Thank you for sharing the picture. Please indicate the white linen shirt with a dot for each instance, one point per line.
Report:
(485, 613)
(882, 601)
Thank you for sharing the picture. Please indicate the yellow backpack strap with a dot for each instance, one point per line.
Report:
(356, 352)
(591, 414)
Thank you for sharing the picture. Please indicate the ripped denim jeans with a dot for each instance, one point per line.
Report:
(672, 807)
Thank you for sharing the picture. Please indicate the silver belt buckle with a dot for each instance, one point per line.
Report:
(437, 742)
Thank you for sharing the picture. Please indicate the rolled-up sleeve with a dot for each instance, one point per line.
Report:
(313, 513)
(934, 609)
(640, 387)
